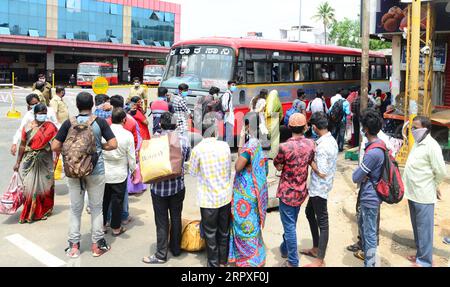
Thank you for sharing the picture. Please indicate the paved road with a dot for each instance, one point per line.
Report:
(42, 243)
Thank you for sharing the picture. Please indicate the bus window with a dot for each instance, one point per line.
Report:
(349, 70)
(321, 72)
(259, 72)
(282, 72)
(302, 72)
(262, 72)
(338, 72)
(256, 54)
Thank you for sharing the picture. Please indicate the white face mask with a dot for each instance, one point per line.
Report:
(137, 84)
(419, 134)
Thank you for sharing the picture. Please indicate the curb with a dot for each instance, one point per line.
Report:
(402, 237)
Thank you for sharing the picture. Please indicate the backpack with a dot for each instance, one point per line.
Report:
(79, 149)
(390, 188)
(290, 112)
(337, 111)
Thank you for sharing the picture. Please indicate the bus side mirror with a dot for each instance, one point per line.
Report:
(242, 97)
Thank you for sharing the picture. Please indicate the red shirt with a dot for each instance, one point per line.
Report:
(130, 125)
(295, 155)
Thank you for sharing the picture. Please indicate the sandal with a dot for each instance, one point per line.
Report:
(153, 260)
(353, 248)
(122, 230)
(127, 221)
(309, 253)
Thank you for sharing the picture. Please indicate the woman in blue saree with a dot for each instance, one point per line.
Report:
(249, 204)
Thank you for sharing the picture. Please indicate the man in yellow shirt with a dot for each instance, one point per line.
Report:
(425, 169)
(59, 106)
(138, 90)
(46, 90)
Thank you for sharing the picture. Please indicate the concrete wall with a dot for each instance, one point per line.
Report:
(127, 24)
(52, 19)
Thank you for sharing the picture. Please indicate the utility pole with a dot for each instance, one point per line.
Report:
(365, 55)
(300, 23)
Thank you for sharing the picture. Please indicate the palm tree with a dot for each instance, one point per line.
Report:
(325, 14)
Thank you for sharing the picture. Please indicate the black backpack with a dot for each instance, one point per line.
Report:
(337, 111)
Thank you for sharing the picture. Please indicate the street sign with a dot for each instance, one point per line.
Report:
(100, 85)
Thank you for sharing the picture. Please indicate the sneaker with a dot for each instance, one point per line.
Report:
(100, 248)
(73, 251)
(88, 210)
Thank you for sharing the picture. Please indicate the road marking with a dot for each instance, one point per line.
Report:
(35, 251)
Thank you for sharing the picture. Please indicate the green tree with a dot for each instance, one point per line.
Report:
(325, 14)
(346, 33)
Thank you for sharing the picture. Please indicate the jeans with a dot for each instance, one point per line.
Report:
(358, 211)
(422, 220)
(339, 134)
(162, 207)
(216, 227)
(317, 215)
(228, 134)
(114, 194)
(95, 187)
(368, 227)
(289, 216)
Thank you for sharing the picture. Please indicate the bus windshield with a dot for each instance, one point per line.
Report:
(201, 67)
(86, 69)
(153, 70)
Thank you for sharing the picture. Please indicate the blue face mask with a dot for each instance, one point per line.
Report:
(41, 118)
(233, 89)
(314, 133)
(32, 107)
(184, 94)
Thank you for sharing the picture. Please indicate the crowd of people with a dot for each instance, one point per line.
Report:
(100, 149)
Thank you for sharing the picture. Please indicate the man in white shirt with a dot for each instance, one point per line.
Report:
(227, 106)
(118, 163)
(318, 104)
(32, 100)
(336, 97)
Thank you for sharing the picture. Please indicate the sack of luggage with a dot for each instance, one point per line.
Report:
(161, 158)
(191, 239)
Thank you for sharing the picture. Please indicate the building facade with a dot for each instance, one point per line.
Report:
(53, 36)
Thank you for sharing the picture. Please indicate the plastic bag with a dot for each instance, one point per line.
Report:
(13, 198)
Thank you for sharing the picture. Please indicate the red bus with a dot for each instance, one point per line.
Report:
(88, 71)
(153, 74)
(265, 64)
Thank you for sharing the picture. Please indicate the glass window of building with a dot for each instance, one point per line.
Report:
(90, 20)
(33, 33)
(5, 31)
(21, 16)
(152, 26)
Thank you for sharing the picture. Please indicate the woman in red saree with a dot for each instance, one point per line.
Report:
(139, 115)
(36, 158)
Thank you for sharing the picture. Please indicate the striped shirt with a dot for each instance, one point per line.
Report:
(211, 163)
(173, 186)
(181, 110)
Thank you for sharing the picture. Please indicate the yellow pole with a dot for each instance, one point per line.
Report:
(12, 113)
(414, 67)
(53, 80)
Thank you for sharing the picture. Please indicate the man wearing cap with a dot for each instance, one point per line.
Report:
(293, 159)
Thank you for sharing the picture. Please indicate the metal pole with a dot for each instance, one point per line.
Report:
(300, 23)
(365, 55)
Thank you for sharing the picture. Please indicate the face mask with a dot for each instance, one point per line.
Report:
(184, 94)
(32, 108)
(137, 84)
(41, 117)
(419, 134)
(233, 89)
(42, 80)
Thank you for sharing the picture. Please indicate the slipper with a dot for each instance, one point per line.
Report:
(127, 221)
(122, 230)
(153, 260)
(411, 258)
(353, 248)
(308, 253)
